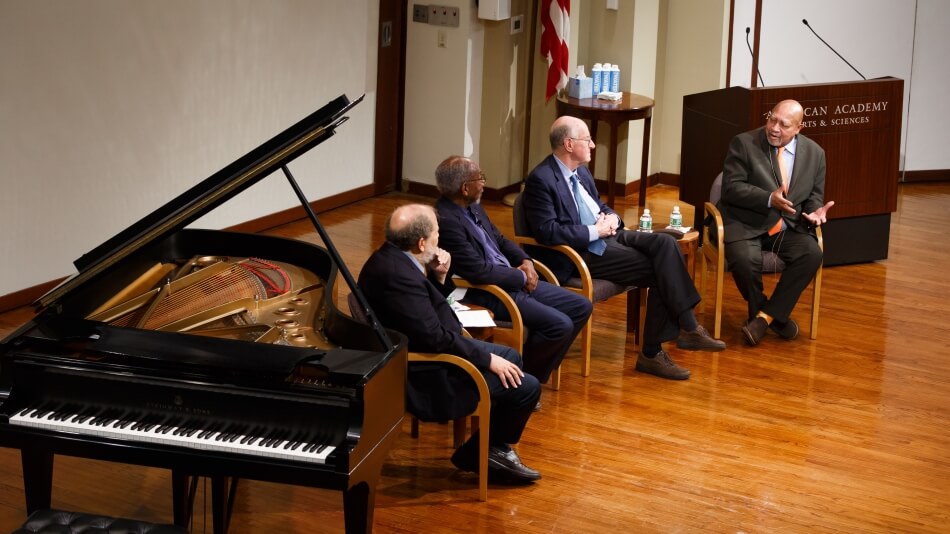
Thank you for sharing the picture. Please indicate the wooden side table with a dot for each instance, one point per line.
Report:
(689, 244)
(631, 107)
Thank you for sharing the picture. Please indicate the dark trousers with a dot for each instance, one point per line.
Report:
(510, 407)
(654, 261)
(802, 257)
(552, 315)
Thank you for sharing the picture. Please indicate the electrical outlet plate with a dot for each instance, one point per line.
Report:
(435, 15)
(517, 24)
(444, 16)
(420, 13)
(450, 17)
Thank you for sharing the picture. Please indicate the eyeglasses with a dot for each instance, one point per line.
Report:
(587, 140)
(481, 178)
(772, 120)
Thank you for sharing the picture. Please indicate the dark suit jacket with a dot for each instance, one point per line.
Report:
(750, 174)
(457, 235)
(405, 300)
(552, 214)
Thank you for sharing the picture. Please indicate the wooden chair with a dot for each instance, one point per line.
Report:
(712, 254)
(594, 289)
(511, 333)
(481, 415)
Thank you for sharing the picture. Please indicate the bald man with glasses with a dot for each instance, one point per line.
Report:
(773, 188)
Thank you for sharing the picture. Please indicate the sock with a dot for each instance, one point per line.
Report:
(687, 321)
(651, 350)
(767, 317)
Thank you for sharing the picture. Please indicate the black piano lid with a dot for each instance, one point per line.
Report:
(208, 194)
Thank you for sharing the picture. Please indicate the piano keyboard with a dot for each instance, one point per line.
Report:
(175, 430)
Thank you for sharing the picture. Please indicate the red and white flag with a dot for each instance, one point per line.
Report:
(555, 33)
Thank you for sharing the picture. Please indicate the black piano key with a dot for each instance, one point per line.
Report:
(25, 412)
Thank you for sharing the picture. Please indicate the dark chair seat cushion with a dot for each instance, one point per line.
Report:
(603, 289)
(62, 522)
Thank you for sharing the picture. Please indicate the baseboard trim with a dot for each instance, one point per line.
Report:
(936, 175)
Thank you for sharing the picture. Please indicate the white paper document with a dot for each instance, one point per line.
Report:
(474, 318)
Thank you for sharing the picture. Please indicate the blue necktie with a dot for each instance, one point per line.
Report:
(488, 242)
(587, 217)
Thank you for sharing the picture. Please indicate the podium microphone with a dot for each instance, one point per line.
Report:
(753, 55)
(805, 22)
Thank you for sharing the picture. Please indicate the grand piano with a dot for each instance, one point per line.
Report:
(210, 353)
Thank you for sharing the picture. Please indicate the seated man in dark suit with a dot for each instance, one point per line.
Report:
(773, 186)
(482, 255)
(406, 283)
(563, 207)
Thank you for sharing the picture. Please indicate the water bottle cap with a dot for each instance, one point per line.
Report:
(646, 211)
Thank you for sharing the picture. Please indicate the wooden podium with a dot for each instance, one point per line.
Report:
(858, 124)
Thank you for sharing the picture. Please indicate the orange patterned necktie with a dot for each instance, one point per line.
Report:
(781, 169)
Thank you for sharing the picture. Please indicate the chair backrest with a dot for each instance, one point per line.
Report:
(356, 311)
(771, 262)
(519, 219)
(715, 190)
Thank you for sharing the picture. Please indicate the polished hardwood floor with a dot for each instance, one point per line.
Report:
(847, 433)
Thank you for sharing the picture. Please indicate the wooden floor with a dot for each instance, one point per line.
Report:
(848, 433)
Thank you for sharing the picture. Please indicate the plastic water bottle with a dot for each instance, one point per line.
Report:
(676, 218)
(646, 221)
(615, 78)
(597, 74)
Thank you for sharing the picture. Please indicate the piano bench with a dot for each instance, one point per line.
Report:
(61, 522)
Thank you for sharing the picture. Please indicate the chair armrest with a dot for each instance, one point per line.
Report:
(821, 240)
(459, 362)
(711, 210)
(587, 281)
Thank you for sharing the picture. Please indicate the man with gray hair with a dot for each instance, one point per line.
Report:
(406, 283)
(562, 207)
(482, 255)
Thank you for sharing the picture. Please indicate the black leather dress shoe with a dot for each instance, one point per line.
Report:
(786, 330)
(465, 458)
(754, 330)
(507, 466)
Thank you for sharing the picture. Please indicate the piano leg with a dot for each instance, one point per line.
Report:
(223, 490)
(184, 487)
(358, 505)
(37, 478)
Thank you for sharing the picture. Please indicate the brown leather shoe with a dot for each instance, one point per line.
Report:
(786, 330)
(662, 366)
(699, 339)
(754, 330)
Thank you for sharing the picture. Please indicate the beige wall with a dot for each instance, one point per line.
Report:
(110, 109)
(685, 67)
(504, 100)
(443, 93)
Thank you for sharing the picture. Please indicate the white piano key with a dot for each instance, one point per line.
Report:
(253, 442)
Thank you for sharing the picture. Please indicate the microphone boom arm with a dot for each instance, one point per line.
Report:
(805, 22)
